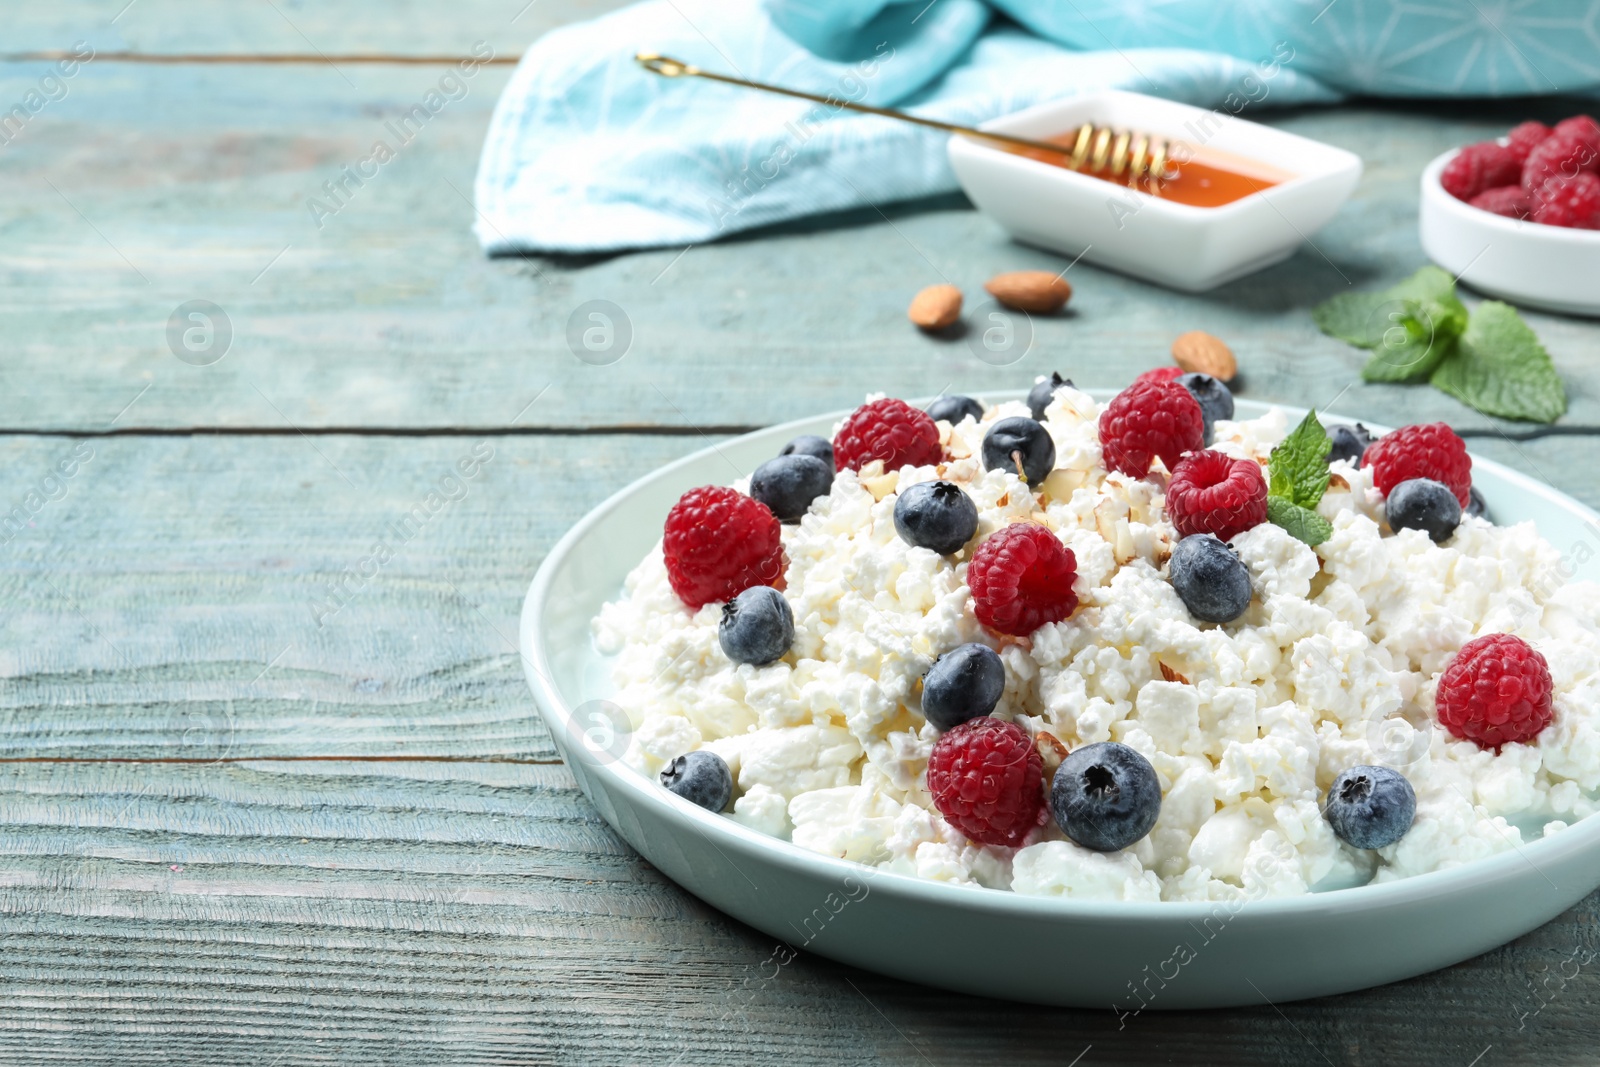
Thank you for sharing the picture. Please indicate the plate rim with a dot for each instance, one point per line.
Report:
(1579, 836)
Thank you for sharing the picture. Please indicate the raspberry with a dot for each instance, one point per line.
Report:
(1524, 137)
(718, 543)
(1159, 374)
(1214, 493)
(1021, 578)
(1477, 167)
(1497, 689)
(987, 780)
(1581, 128)
(1559, 154)
(1150, 419)
(1428, 451)
(890, 430)
(1573, 202)
(1508, 200)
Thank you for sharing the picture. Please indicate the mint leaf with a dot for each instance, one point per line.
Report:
(1301, 523)
(1419, 331)
(1429, 283)
(1500, 368)
(1358, 318)
(1419, 337)
(1297, 470)
(1297, 476)
(1366, 319)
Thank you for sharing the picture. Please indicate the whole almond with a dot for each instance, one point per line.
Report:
(1200, 353)
(1035, 291)
(935, 307)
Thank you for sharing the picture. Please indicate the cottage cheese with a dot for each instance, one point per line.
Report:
(1334, 664)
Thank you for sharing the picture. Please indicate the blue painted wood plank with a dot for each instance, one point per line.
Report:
(149, 187)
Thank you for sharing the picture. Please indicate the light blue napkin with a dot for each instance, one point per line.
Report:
(588, 152)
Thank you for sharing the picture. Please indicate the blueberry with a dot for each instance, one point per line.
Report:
(1044, 391)
(1477, 507)
(1214, 398)
(810, 444)
(1426, 505)
(788, 484)
(1213, 582)
(1018, 438)
(1370, 807)
(757, 626)
(962, 684)
(953, 409)
(1105, 796)
(935, 515)
(1349, 443)
(700, 777)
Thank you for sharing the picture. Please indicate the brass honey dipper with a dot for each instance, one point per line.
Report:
(1102, 148)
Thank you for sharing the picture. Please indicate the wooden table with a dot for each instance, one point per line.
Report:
(180, 884)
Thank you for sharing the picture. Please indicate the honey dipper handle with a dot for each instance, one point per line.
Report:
(668, 67)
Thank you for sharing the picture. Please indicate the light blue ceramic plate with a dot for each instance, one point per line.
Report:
(1051, 951)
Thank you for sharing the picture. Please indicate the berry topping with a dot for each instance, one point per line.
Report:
(1021, 446)
(1426, 505)
(1572, 201)
(1044, 391)
(718, 543)
(1105, 796)
(962, 684)
(1370, 807)
(1485, 165)
(757, 626)
(1160, 374)
(936, 516)
(1497, 689)
(809, 444)
(1431, 450)
(700, 777)
(890, 430)
(1214, 493)
(1349, 442)
(953, 409)
(1523, 137)
(1508, 200)
(788, 484)
(1214, 398)
(986, 779)
(1150, 419)
(1021, 578)
(1212, 581)
(1559, 155)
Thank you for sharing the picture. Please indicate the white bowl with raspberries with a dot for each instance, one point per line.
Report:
(1127, 954)
(1519, 218)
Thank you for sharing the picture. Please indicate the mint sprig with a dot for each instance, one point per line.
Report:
(1302, 523)
(1297, 476)
(1420, 331)
(1500, 368)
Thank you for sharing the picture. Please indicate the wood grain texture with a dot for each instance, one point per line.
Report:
(250, 29)
(360, 913)
(210, 595)
(485, 915)
(151, 186)
(235, 584)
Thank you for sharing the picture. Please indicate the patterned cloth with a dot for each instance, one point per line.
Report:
(588, 152)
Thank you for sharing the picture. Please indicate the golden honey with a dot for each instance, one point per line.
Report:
(1206, 178)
